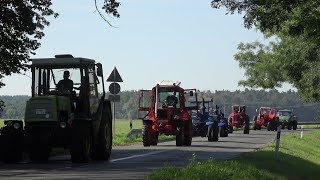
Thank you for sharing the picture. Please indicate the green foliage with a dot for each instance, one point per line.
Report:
(22, 24)
(294, 57)
(298, 159)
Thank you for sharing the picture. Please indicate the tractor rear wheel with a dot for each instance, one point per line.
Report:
(102, 150)
(145, 133)
(246, 128)
(289, 126)
(180, 135)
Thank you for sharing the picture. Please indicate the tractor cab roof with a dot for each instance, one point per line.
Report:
(62, 61)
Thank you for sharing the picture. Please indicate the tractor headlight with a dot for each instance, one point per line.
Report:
(16, 125)
(47, 116)
(146, 118)
(63, 125)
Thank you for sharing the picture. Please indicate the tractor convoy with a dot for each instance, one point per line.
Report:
(75, 114)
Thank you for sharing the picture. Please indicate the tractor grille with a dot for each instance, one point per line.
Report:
(39, 110)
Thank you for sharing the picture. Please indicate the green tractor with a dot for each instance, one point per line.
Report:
(287, 119)
(69, 114)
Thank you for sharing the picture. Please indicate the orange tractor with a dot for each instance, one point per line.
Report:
(166, 110)
(266, 117)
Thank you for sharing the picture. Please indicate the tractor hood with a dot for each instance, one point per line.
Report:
(284, 118)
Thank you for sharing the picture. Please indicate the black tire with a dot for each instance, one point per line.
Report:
(223, 131)
(254, 124)
(289, 126)
(213, 132)
(155, 139)
(230, 127)
(145, 134)
(12, 149)
(246, 128)
(269, 126)
(187, 134)
(102, 150)
(81, 147)
(283, 126)
(295, 125)
(180, 135)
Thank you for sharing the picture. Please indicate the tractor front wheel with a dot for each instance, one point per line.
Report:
(213, 131)
(12, 149)
(294, 126)
(180, 135)
(102, 150)
(146, 133)
(81, 147)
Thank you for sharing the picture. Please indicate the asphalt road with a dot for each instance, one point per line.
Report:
(136, 161)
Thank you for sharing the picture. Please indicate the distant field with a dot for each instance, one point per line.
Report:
(1, 123)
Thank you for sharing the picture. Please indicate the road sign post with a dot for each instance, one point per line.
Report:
(276, 150)
(114, 89)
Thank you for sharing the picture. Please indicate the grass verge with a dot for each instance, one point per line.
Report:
(298, 159)
(122, 129)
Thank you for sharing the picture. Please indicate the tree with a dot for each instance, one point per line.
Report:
(22, 24)
(294, 57)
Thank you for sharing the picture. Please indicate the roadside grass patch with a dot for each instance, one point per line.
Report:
(298, 159)
(123, 128)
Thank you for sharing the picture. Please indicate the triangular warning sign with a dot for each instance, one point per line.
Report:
(114, 76)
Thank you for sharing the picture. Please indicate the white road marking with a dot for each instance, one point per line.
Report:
(138, 155)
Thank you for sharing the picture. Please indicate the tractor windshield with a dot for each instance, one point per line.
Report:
(168, 99)
(46, 80)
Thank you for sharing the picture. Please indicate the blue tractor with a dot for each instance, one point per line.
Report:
(209, 122)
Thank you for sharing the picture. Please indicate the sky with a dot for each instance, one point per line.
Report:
(180, 40)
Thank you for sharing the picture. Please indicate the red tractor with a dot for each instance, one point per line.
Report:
(239, 119)
(267, 118)
(165, 110)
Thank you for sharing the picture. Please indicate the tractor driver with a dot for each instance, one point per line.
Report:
(65, 83)
(172, 100)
